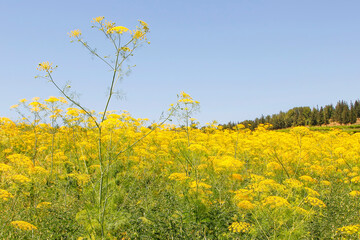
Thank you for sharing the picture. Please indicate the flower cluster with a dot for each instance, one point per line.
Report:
(22, 225)
(240, 227)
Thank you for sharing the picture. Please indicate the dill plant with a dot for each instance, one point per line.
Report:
(124, 42)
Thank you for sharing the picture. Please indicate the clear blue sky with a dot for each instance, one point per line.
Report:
(239, 58)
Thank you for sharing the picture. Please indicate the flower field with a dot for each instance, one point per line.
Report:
(67, 172)
(59, 180)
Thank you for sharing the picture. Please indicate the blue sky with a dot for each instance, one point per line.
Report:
(240, 59)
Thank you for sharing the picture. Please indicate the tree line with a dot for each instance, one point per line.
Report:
(342, 113)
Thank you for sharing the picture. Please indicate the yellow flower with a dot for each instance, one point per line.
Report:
(144, 25)
(239, 227)
(138, 34)
(5, 195)
(126, 49)
(4, 167)
(45, 66)
(351, 229)
(22, 225)
(355, 193)
(293, 183)
(355, 179)
(118, 29)
(243, 194)
(309, 179)
(313, 201)
(245, 204)
(275, 202)
(178, 176)
(52, 99)
(75, 33)
(97, 19)
(312, 192)
(325, 183)
(237, 176)
(20, 178)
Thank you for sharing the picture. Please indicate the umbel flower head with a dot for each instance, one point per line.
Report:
(22, 225)
(75, 33)
(45, 66)
(118, 29)
(239, 227)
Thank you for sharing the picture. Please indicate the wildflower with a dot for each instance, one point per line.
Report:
(240, 227)
(109, 24)
(75, 33)
(275, 202)
(273, 166)
(38, 170)
(45, 66)
(355, 193)
(126, 49)
(227, 162)
(355, 179)
(308, 179)
(4, 167)
(5, 195)
(351, 229)
(20, 178)
(243, 194)
(293, 183)
(313, 201)
(237, 176)
(20, 160)
(144, 25)
(52, 99)
(199, 185)
(118, 29)
(22, 225)
(178, 176)
(97, 19)
(325, 183)
(138, 34)
(246, 205)
(312, 192)
(197, 148)
(7, 150)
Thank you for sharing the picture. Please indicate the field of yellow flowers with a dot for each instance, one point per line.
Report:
(168, 182)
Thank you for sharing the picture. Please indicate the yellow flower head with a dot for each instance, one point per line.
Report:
(355, 193)
(97, 19)
(138, 34)
(144, 25)
(246, 205)
(75, 33)
(178, 176)
(351, 229)
(275, 202)
(52, 99)
(22, 225)
(118, 29)
(5, 195)
(125, 49)
(45, 66)
(313, 201)
(239, 227)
